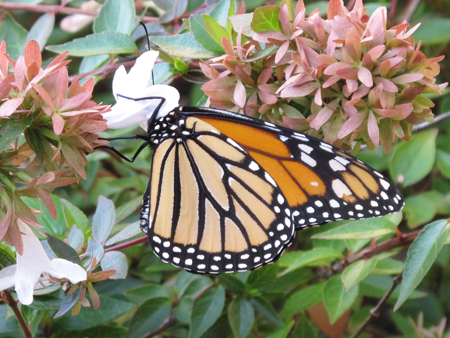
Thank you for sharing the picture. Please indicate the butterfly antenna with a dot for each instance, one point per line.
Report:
(148, 44)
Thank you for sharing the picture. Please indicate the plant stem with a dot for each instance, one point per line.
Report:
(127, 244)
(12, 303)
(375, 312)
(60, 9)
(366, 253)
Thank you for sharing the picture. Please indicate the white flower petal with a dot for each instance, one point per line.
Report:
(127, 112)
(8, 277)
(140, 74)
(34, 262)
(119, 83)
(61, 268)
(137, 85)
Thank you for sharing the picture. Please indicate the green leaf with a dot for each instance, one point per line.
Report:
(149, 316)
(241, 316)
(95, 332)
(296, 260)
(68, 302)
(128, 232)
(104, 220)
(128, 208)
(302, 300)
(413, 160)
(366, 228)
(265, 19)
(221, 11)
(35, 141)
(63, 250)
(73, 215)
(357, 271)
(304, 329)
(443, 161)
(179, 8)
(89, 63)
(6, 259)
(418, 210)
(115, 16)
(201, 35)
(11, 129)
(206, 310)
(421, 255)
(183, 310)
(388, 266)
(41, 29)
(244, 21)
(163, 72)
(376, 286)
(76, 238)
(232, 283)
(216, 31)
(261, 305)
(141, 294)
(115, 260)
(111, 308)
(183, 45)
(433, 32)
(96, 44)
(16, 37)
(262, 279)
(282, 332)
(94, 250)
(336, 300)
(53, 227)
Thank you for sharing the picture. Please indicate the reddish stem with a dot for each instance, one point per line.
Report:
(127, 244)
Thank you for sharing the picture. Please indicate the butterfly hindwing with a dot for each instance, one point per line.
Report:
(209, 207)
(320, 182)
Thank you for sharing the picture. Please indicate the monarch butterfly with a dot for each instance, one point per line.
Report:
(228, 191)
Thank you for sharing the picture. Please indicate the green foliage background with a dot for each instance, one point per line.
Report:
(279, 300)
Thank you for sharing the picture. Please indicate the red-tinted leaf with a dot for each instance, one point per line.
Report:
(365, 76)
(44, 95)
(240, 95)
(351, 124)
(9, 107)
(32, 53)
(372, 129)
(335, 7)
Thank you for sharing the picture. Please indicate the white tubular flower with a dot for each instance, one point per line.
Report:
(25, 274)
(133, 93)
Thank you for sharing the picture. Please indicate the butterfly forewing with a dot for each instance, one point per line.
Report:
(210, 207)
(320, 182)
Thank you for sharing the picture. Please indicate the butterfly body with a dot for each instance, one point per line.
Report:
(227, 191)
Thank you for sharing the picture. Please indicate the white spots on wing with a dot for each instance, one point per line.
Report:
(242, 266)
(277, 209)
(201, 257)
(374, 203)
(176, 249)
(166, 244)
(384, 195)
(318, 203)
(176, 260)
(254, 166)
(359, 207)
(342, 160)
(312, 220)
(229, 266)
(385, 184)
(334, 204)
(284, 237)
(214, 267)
(308, 160)
(165, 255)
(325, 214)
(188, 261)
(300, 137)
(270, 179)
(234, 144)
(326, 147)
(190, 250)
(310, 210)
(307, 149)
(336, 166)
(256, 259)
(157, 239)
(284, 138)
(280, 199)
(245, 256)
(280, 227)
(340, 189)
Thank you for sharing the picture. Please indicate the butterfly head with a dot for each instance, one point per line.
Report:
(138, 100)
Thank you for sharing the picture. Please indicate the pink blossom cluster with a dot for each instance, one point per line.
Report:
(344, 79)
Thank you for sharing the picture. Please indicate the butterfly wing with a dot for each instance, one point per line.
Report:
(209, 207)
(320, 182)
